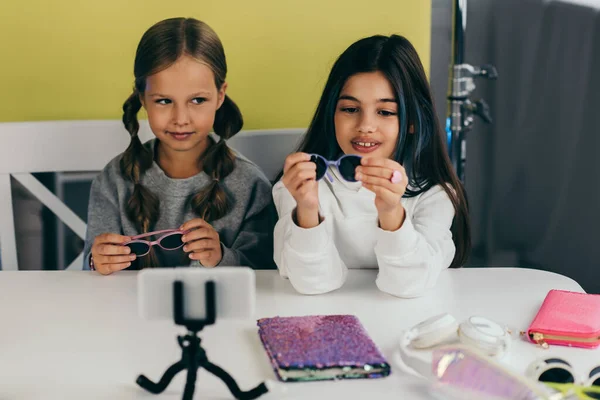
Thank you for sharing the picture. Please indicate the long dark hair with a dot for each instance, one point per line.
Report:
(423, 152)
(160, 47)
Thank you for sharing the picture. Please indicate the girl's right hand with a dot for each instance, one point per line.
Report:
(109, 254)
(300, 179)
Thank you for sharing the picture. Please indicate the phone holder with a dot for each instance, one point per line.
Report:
(193, 355)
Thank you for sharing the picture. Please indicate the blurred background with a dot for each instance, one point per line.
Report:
(531, 175)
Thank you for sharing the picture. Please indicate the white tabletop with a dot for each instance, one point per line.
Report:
(77, 335)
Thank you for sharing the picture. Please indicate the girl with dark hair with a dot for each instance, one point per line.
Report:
(372, 185)
(185, 180)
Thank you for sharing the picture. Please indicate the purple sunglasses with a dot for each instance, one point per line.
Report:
(170, 239)
(346, 164)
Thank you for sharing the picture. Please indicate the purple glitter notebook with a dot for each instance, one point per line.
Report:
(324, 347)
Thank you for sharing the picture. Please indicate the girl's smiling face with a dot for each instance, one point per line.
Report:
(366, 116)
(181, 102)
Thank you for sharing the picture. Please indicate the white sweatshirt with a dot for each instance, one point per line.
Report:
(316, 260)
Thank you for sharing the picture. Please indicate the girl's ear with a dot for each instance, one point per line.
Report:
(221, 95)
(142, 100)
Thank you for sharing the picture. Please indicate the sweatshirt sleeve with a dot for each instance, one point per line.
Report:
(307, 257)
(103, 213)
(411, 258)
(253, 246)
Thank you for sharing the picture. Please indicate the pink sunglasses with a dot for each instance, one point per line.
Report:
(170, 239)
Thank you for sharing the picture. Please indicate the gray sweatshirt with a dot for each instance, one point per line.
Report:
(246, 232)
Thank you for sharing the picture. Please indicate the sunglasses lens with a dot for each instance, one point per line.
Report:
(137, 248)
(321, 166)
(557, 374)
(172, 242)
(592, 395)
(595, 382)
(347, 167)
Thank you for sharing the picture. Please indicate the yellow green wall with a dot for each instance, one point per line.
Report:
(73, 59)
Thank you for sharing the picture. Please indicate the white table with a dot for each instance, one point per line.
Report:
(76, 335)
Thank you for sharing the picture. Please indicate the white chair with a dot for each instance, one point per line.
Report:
(267, 148)
(74, 146)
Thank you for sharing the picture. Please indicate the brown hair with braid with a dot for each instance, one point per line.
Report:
(160, 47)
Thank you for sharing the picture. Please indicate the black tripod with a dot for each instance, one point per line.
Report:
(193, 355)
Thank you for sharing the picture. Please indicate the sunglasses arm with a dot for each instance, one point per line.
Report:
(329, 176)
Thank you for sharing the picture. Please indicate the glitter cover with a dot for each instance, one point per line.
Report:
(321, 348)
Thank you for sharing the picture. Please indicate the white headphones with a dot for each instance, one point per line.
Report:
(486, 336)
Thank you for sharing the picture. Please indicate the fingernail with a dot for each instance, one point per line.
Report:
(184, 238)
(132, 257)
(191, 256)
(358, 169)
(185, 248)
(128, 264)
(359, 176)
(127, 250)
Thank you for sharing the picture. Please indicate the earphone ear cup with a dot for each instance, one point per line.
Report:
(485, 335)
(433, 331)
(413, 361)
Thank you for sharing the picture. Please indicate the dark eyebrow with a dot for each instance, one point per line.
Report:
(351, 98)
(346, 97)
(199, 94)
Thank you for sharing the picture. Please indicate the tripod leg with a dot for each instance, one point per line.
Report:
(190, 384)
(232, 385)
(167, 377)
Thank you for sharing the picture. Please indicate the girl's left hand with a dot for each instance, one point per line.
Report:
(202, 242)
(387, 179)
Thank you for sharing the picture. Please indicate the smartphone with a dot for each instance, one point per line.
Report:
(235, 292)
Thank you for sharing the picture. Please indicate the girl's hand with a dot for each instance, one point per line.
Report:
(202, 242)
(387, 179)
(299, 178)
(109, 254)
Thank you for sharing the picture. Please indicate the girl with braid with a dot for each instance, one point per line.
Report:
(186, 182)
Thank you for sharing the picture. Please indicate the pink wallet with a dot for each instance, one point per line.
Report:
(567, 319)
